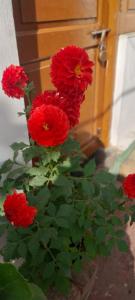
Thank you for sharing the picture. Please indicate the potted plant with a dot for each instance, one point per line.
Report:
(58, 212)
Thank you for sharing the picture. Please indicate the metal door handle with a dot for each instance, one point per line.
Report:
(100, 31)
(102, 45)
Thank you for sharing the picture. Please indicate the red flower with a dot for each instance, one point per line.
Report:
(71, 70)
(14, 81)
(129, 186)
(48, 125)
(70, 105)
(17, 210)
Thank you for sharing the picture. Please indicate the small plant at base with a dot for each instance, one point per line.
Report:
(67, 213)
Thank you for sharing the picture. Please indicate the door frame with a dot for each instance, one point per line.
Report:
(110, 20)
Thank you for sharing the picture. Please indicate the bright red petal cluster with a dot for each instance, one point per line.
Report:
(17, 210)
(71, 70)
(69, 104)
(14, 81)
(53, 113)
(129, 186)
(48, 125)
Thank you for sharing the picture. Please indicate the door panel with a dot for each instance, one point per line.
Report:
(49, 41)
(131, 4)
(45, 26)
(46, 10)
(127, 16)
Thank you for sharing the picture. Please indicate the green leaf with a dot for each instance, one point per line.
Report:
(32, 152)
(6, 166)
(18, 146)
(40, 259)
(36, 292)
(66, 164)
(62, 283)
(22, 249)
(14, 287)
(100, 234)
(33, 246)
(62, 222)
(65, 210)
(44, 194)
(104, 177)
(8, 186)
(115, 220)
(49, 270)
(70, 146)
(61, 242)
(38, 181)
(53, 156)
(12, 284)
(90, 246)
(63, 181)
(122, 245)
(75, 164)
(64, 258)
(76, 233)
(38, 171)
(12, 235)
(77, 265)
(48, 234)
(51, 209)
(88, 188)
(34, 171)
(90, 168)
(41, 199)
(9, 251)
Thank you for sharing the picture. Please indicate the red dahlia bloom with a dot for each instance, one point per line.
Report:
(14, 81)
(71, 70)
(70, 105)
(17, 210)
(129, 186)
(48, 125)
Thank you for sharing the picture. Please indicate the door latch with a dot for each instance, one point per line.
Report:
(102, 44)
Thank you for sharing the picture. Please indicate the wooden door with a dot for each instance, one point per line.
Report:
(44, 26)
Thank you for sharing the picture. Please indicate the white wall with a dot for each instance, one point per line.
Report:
(123, 119)
(12, 127)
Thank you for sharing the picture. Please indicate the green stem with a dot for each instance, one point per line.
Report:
(28, 108)
(50, 252)
(19, 164)
(28, 98)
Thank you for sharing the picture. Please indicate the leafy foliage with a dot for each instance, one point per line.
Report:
(81, 213)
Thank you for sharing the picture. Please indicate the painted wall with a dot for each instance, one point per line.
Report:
(123, 119)
(12, 127)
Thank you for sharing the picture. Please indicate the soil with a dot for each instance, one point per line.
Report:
(116, 274)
